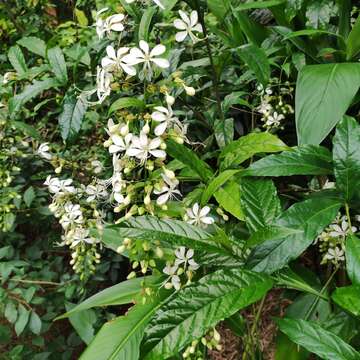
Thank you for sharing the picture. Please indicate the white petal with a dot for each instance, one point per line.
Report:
(154, 143)
(131, 59)
(157, 50)
(180, 36)
(179, 24)
(114, 149)
(110, 52)
(190, 253)
(158, 153)
(118, 140)
(117, 27)
(105, 62)
(195, 209)
(160, 129)
(128, 69)
(163, 63)
(204, 211)
(158, 116)
(133, 152)
(184, 17)
(193, 18)
(116, 18)
(197, 28)
(207, 220)
(162, 199)
(144, 46)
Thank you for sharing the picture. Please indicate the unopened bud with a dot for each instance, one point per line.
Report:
(189, 90)
(170, 100)
(146, 128)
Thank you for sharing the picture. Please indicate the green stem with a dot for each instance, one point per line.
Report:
(347, 210)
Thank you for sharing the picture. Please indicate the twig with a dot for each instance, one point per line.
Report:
(37, 282)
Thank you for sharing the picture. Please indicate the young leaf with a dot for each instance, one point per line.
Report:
(303, 160)
(255, 57)
(29, 196)
(200, 306)
(33, 44)
(311, 216)
(190, 159)
(228, 197)
(348, 297)
(58, 64)
(353, 41)
(70, 119)
(144, 27)
(125, 102)
(35, 323)
(17, 60)
(324, 93)
(22, 319)
(352, 254)
(249, 145)
(29, 92)
(317, 340)
(346, 156)
(123, 293)
(260, 202)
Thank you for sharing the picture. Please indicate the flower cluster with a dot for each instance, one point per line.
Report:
(274, 104)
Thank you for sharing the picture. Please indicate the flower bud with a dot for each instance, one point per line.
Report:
(189, 90)
(168, 286)
(131, 275)
(120, 249)
(58, 170)
(107, 143)
(146, 128)
(147, 199)
(163, 146)
(169, 173)
(170, 100)
(124, 130)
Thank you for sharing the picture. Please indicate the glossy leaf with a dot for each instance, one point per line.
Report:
(255, 58)
(122, 293)
(259, 4)
(348, 297)
(324, 93)
(249, 145)
(260, 203)
(189, 159)
(33, 44)
(124, 103)
(228, 198)
(17, 60)
(22, 319)
(352, 254)
(224, 131)
(58, 64)
(35, 323)
(346, 156)
(144, 27)
(72, 115)
(199, 307)
(302, 160)
(317, 340)
(353, 41)
(311, 216)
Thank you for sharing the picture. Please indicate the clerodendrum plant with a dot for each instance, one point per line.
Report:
(194, 263)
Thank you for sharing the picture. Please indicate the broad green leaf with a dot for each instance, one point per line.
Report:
(27, 129)
(323, 94)
(228, 198)
(311, 216)
(234, 98)
(200, 306)
(314, 338)
(353, 41)
(120, 339)
(58, 64)
(352, 254)
(11, 313)
(346, 156)
(224, 131)
(124, 103)
(33, 44)
(255, 57)
(219, 9)
(123, 293)
(214, 184)
(259, 4)
(249, 145)
(308, 32)
(189, 159)
(348, 297)
(168, 4)
(72, 115)
(35, 323)
(144, 27)
(259, 202)
(22, 319)
(81, 17)
(17, 60)
(29, 196)
(302, 160)
(168, 232)
(319, 13)
(131, 9)
(29, 92)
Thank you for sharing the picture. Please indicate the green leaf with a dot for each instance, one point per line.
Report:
(29, 196)
(58, 64)
(302, 160)
(214, 184)
(35, 323)
(348, 297)
(70, 119)
(189, 159)
(33, 44)
(224, 131)
(29, 92)
(323, 94)
(126, 102)
(353, 258)
(119, 339)
(81, 17)
(353, 41)
(346, 156)
(144, 27)
(249, 145)
(228, 197)
(219, 9)
(317, 340)
(259, 202)
(17, 60)
(200, 306)
(120, 294)
(27, 129)
(259, 4)
(11, 313)
(256, 59)
(22, 319)
(311, 216)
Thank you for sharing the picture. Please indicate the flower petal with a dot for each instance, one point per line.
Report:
(160, 129)
(163, 63)
(180, 36)
(157, 50)
(179, 24)
(193, 18)
(144, 46)
(110, 51)
(158, 153)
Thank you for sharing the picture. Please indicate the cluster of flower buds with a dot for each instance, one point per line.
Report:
(211, 340)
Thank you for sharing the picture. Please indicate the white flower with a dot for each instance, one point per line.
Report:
(172, 272)
(144, 55)
(103, 84)
(112, 23)
(95, 192)
(57, 186)
(43, 151)
(142, 147)
(115, 60)
(187, 25)
(157, 2)
(197, 216)
(97, 166)
(164, 116)
(186, 258)
(274, 119)
(167, 191)
(66, 187)
(73, 215)
(120, 143)
(81, 235)
(335, 254)
(341, 229)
